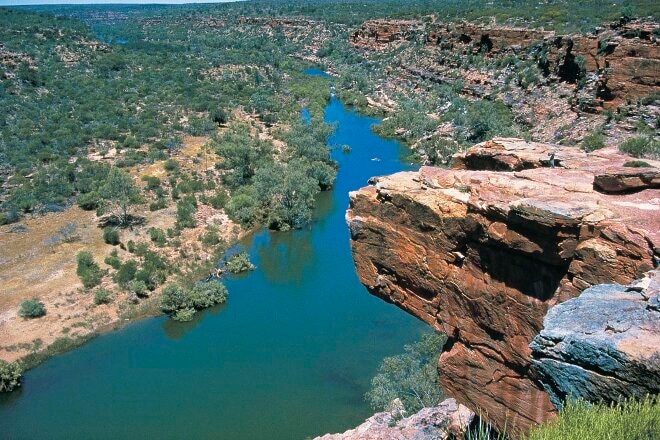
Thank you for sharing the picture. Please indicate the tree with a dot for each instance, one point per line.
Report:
(411, 377)
(10, 376)
(119, 193)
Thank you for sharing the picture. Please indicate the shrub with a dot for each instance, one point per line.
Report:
(126, 273)
(138, 287)
(637, 164)
(238, 263)
(158, 236)
(593, 141)
(10, 376)
(159, 204)
(185, 209)
(217, 200)
(111, 236)
(210, 238)
(171, 165)
(175, 298)
(579, 420)
(102, 296)
(31, 308)
(89, 201)
(411, 377)
(152, 182)
(184, 315)
(642, 146)
(8, 217)
(89, 272)
(113, 260)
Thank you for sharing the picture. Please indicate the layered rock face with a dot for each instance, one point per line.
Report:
(483, 251)
(447, 420)
(604, 344)
(624, 58)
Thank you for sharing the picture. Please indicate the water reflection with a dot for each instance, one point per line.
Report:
(176, 330)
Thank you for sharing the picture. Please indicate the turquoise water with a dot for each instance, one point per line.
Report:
(289, 356)
(317, 72)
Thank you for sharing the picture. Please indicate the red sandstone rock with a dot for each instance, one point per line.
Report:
(625, 58)
(483, 255)
(627, 179)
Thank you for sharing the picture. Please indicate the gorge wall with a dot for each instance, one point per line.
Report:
(622, 59)
(483, 251)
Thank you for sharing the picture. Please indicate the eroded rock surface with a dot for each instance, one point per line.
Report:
(623, 57)
(604, 344)
(440, 422)
(483, 255)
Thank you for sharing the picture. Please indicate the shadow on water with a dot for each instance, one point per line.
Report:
(289, 356)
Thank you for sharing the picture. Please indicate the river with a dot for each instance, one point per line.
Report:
(289, 356)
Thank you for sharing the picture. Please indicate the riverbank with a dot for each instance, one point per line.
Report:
(298, 336)
(39, 261)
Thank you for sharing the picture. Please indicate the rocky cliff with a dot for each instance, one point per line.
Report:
(622, 60)
(481, 252)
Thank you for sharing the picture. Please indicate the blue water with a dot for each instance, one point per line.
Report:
(317, 72)
(289, 356)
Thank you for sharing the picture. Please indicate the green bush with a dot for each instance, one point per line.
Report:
(31, 308)
(88, 271)
(171, 165)
(89, 201)
(138, 287)
(10, 376)
(185, 209)
(217, 200)
(637, 164)
(210, 238)
(579, 420)
(411, 377)
(158, 236)
(102, 296)
(202, 295)
(111, 235)
(126, 273)
(238, 263)
(642, 146)
(184, 315)
(113, 260)
(593, 141)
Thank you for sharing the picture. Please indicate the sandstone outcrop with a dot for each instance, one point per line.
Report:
(604, 344)
(441, 422)
(483, 251)
(624, 58)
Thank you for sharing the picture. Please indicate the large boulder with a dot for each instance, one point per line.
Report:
(604, 344)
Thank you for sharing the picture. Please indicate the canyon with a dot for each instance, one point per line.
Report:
(484, 250)
(622, 59)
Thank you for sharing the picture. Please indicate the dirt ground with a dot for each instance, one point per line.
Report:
(38, 260)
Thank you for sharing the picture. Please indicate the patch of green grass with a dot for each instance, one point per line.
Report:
(630, 419)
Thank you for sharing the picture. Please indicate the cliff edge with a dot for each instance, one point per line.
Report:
(483, 251)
